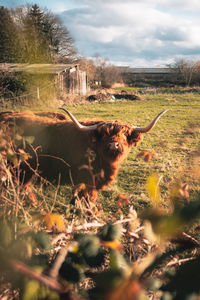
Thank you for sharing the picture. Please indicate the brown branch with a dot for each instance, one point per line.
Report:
(179, 261)
(48, 281)
(58, 262)
(55, 157)
(96, 225)
(193, 240)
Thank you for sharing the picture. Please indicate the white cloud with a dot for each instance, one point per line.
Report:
(180, 4)
(137, 32)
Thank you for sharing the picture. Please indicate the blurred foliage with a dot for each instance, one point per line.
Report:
(14, 84)
(96, 258)
(95, 264)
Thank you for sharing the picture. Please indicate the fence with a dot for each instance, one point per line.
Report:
(41, 94)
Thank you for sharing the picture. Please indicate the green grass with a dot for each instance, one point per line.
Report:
(128, 88)
(176, 141)
(175, 138)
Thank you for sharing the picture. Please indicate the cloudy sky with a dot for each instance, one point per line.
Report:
(138, 33)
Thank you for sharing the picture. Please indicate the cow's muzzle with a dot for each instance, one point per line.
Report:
(115, 148)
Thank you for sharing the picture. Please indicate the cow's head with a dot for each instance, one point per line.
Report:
(114, 139)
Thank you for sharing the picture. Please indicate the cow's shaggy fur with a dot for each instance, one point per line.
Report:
(62, 152)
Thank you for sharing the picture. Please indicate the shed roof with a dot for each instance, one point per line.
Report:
(37, 68)
(147, 70)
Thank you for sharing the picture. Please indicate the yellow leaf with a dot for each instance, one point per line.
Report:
(162, 227)
(30, 290)
(153, 188)
(54, 220)
(115, 245)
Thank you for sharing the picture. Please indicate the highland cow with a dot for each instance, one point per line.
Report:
(68, 151)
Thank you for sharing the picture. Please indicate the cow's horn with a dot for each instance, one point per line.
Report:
(78, 124)
(151, 125)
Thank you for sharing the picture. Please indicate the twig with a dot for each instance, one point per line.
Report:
(55, 157)
(58, 237)
(179, 261)
(139, 229)
(48, 281)
(58, 262)
(86, 226)
(191, 238)
(124, 221)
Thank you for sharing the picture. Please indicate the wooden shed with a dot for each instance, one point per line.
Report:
(68, 77)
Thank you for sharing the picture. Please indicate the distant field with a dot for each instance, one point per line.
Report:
(128, 88)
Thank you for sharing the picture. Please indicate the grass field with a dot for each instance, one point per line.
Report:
(175, 139)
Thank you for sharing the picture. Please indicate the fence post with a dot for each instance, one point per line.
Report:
(38, 93)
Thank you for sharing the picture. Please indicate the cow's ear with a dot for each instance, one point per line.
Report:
(134, 138)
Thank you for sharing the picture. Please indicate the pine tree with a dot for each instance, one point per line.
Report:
(31, 35)
(35, 41)
(46, 38)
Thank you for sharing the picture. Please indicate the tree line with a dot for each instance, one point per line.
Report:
(29, 34)
(187, 70)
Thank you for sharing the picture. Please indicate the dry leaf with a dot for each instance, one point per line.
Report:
(54, 220)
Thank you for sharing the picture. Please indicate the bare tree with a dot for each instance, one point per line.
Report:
(106, 73)
(88, 66)
(187, 69)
